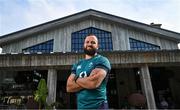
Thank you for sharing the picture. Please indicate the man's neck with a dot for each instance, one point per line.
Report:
(88, 56)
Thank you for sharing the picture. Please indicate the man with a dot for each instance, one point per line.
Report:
(89, 77)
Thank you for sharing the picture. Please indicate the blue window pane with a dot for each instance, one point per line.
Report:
(143, 44)
(135, 45)
(110, 47)
(140, 45)
(103, 45)
(146, 45)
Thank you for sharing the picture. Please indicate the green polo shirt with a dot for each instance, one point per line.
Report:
(91, 98)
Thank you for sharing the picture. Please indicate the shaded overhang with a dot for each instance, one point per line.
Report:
(118, 59)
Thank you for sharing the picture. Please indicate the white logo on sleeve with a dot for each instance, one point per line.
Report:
(79, 67)
(83, 74)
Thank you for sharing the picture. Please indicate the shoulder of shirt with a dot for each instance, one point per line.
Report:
(77, 63)
(100, 57)
(80, 61)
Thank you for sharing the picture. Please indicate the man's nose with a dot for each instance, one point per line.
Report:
(89, 44)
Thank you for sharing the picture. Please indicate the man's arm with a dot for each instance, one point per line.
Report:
(72, 86)
(94, 80)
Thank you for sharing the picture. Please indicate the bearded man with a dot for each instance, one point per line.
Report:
(88, 77)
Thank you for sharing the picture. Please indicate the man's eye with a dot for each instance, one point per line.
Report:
(92, 42)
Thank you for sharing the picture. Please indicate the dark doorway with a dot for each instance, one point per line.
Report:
(112, 93)
(65, 100)
(161, 78)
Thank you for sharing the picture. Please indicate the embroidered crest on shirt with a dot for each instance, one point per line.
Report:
(90, 64)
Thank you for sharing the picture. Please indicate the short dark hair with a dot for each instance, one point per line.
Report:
(91, 34)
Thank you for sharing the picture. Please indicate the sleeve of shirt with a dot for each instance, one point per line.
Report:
(73, 69)
(103, 63)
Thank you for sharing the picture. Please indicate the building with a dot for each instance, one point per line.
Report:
(144, 58)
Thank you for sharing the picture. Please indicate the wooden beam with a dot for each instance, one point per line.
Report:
(147, 87)
(51, 83)
(117, 59)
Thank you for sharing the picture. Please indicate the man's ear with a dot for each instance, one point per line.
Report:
(98, 46)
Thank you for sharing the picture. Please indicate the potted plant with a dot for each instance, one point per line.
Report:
(41, 93)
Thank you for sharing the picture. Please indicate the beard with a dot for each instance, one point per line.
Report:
(90, 52)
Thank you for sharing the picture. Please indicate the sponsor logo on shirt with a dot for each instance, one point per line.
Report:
(90, 64)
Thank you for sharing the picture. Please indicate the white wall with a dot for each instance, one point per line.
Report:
(179, 45)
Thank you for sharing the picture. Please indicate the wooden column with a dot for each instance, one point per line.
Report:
(51, 83)
(147, 87)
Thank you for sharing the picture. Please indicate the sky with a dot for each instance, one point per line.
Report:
(20, 14)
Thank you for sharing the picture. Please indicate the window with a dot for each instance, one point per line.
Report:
(104, 38)
(45, 47)
(140, 45)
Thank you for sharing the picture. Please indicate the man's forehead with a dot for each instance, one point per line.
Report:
(92, 37)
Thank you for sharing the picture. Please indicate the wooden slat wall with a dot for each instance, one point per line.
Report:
(62, 37)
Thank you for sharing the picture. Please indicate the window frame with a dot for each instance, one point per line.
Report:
(141, 45)
(104, 38)
(44, 47)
